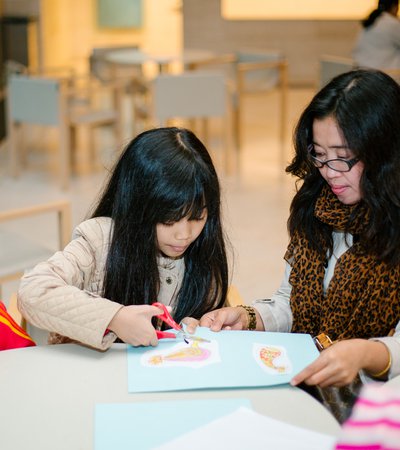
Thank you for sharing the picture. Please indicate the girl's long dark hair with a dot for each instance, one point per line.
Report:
(383, 6)
(365, 105)
(163, 175)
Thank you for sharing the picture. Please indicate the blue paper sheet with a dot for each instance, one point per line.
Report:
(147, 425)
(237, 366)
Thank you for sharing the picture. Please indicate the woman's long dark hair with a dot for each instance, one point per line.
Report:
(383, 6)
(163, 175)
(365, 104)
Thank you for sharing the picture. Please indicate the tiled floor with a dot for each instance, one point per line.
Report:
(256, 202)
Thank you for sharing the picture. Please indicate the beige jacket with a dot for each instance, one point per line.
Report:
(63, 295)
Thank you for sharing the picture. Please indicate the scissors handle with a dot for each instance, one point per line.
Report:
(166, 316)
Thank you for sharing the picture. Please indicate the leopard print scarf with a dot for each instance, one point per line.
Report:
(363, 299)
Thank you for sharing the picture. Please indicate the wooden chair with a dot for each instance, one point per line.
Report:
(19, 252)
(192, 95)
(260, 72)
(251, 72)
(53, 102)
(330, 66)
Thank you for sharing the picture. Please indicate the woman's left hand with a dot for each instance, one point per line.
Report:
(337, 365)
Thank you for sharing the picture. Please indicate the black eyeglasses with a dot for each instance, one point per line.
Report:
(337, 164)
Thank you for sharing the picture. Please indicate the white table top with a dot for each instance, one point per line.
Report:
(48, 396)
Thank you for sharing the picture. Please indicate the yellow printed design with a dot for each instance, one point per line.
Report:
(189, 354)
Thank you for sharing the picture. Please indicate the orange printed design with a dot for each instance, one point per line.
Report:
(267, 356)
(272, 359)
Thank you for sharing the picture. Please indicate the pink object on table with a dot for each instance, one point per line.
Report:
(374, 423)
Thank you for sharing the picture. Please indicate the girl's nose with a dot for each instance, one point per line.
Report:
(183, 229)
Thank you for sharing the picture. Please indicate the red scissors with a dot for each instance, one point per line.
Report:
(167, 318)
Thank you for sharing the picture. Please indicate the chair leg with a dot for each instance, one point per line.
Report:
(118, 124)
(237, 125)
(13, 148)
(64, 157)
(284, 90)
(83, 149)
(205, 131)
(118, 133)
(226, 148)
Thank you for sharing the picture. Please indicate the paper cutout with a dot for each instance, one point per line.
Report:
(194, 355)
(273, 359)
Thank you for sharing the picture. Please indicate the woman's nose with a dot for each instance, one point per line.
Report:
(330, 173)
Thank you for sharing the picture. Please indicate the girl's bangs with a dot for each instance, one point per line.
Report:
(183, 204)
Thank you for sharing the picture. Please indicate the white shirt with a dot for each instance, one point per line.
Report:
(378, 46)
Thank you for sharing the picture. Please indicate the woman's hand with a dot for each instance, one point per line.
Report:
(339, 364)
(132, 324)
(225, 319)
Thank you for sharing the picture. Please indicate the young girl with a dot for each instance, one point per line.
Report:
(155, 235)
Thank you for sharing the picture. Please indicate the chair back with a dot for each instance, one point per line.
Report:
(262, 71)
(38, 101)
(34, 100)
(196, 95)
(189, 95)
(331, 66)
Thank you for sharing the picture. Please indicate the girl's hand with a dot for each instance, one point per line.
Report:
(339, 364)
(225, 319)
(191, 324)
(132, 324)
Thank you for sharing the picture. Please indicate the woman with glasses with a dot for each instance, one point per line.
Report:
(342, 278)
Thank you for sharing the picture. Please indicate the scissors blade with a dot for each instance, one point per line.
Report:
(180, 333)
(190, 337)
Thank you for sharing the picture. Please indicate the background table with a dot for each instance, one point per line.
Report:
(132, 57)
(48, 396)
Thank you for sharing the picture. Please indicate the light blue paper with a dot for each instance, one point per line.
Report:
(147, 425)
(237, 367)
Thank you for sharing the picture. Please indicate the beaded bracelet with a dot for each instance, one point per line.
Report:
(385, 370)
(251, 316)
